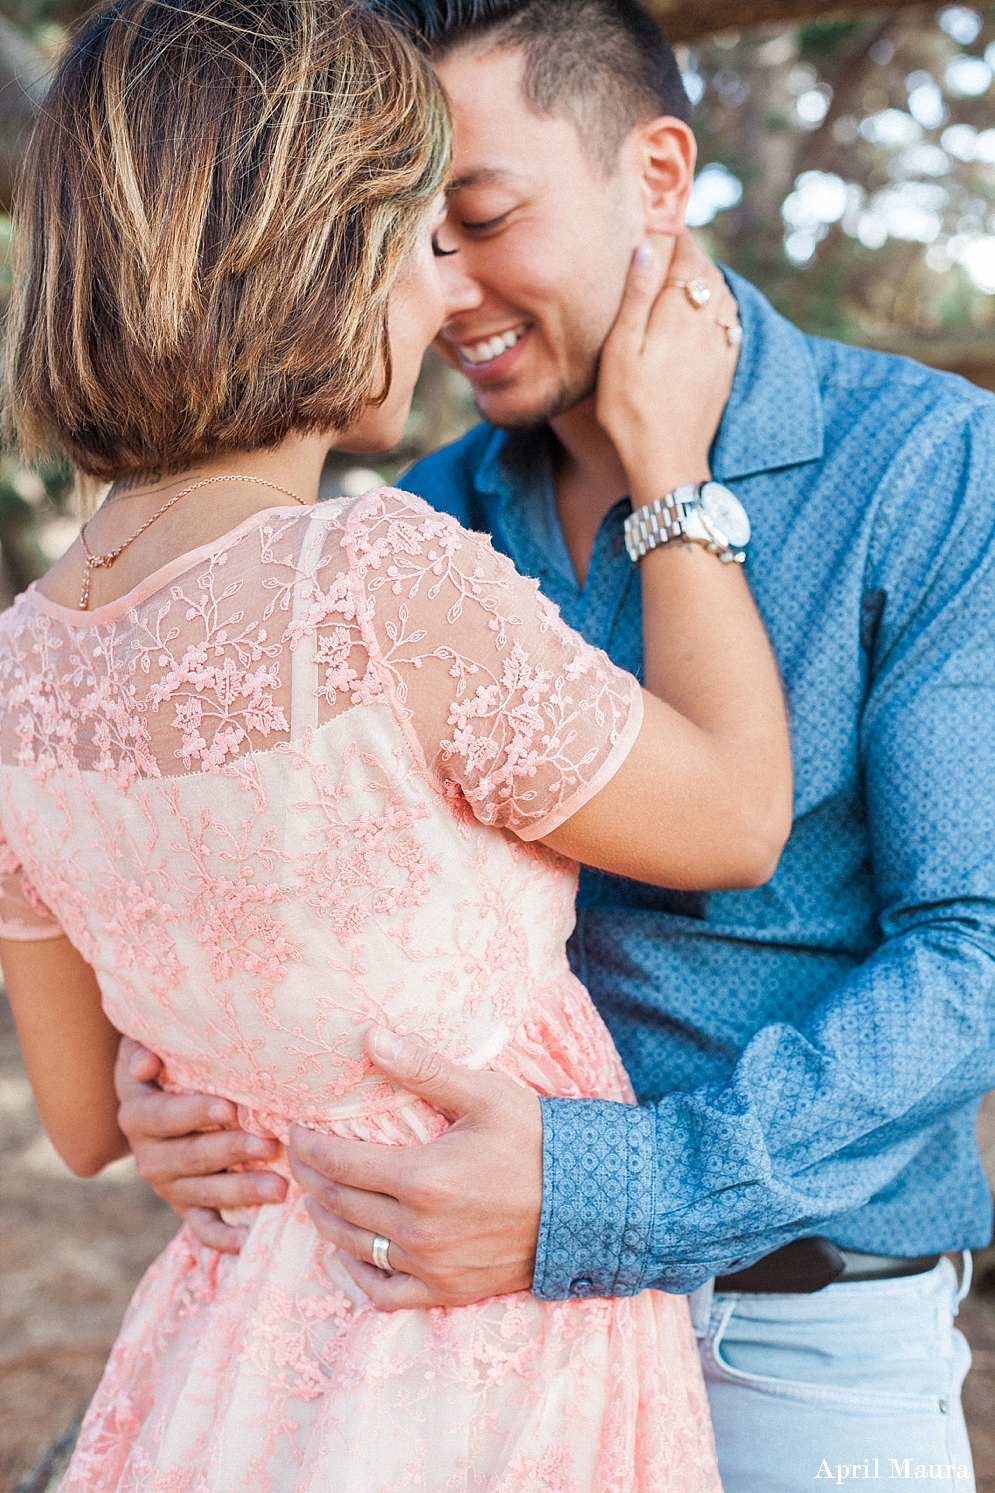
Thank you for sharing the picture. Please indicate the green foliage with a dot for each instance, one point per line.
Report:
(34, 16)
(35, 525)
(821, 41)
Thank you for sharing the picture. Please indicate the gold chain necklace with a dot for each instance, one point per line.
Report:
(101, 562)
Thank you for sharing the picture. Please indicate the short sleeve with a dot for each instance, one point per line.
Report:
(23, 915)
(500, 699)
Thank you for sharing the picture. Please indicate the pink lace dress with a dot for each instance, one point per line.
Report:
(285, 787)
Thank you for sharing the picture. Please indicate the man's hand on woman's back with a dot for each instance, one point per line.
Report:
(461, 1212)
(185, 1146)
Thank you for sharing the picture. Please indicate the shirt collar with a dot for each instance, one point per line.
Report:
(503, 467)
(774, 417)
(517, 471)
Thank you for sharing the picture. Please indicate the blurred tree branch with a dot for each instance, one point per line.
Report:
(688, 20)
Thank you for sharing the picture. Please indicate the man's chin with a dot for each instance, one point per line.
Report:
(513, 409)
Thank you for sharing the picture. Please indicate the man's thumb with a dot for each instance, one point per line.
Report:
(414, 1066)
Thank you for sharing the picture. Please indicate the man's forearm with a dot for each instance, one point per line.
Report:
(812, 1123)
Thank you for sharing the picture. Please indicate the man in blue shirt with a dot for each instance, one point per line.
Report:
(809, 1055)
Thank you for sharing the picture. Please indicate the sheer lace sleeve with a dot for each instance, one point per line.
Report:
(23, 915)
(500, 699)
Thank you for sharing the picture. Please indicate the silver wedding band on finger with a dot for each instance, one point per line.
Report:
(380, 1252)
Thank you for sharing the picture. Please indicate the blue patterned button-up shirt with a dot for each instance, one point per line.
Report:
(808, 1056)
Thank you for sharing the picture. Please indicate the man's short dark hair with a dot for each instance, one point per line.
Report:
(604, 63)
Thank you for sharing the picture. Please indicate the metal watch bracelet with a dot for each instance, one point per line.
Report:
(658, 522)
(665, 519)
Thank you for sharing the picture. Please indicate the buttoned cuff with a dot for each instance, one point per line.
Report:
(595, 1233)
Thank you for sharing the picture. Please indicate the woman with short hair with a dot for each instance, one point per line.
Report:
(273, 774)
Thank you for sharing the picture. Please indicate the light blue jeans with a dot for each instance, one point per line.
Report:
(856, 1383)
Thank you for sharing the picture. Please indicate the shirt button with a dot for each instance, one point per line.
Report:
(582, 1286)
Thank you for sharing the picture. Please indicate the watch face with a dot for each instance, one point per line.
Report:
(724, 510)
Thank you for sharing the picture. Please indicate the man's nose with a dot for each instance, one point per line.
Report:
(462, 291)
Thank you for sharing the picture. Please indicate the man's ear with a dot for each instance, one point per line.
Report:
(664, 153)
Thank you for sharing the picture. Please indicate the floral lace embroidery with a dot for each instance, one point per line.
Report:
(529, 730)
(256, 799)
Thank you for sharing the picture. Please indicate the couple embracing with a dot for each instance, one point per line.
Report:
(294, 795)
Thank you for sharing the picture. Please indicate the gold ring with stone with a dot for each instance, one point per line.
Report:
(697, 291)
(733, 331)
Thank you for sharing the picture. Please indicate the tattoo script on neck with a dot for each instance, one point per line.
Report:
(166, 476)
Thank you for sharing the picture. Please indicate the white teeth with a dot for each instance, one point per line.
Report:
(483, 352)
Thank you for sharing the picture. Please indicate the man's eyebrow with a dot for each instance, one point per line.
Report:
(482, 176)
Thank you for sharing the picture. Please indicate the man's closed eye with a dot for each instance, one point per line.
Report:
(485, 227)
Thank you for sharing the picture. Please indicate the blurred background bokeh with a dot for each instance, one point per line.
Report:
(848, 168)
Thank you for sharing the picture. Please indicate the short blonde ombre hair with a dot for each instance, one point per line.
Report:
(217, 199)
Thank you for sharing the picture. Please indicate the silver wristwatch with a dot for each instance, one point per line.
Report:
(703, 511)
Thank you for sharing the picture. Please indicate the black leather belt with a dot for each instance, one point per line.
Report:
(808, 1265)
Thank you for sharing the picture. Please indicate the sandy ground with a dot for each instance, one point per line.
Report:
(71, 1253)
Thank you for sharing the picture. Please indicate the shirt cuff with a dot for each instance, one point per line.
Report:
(598, 1204)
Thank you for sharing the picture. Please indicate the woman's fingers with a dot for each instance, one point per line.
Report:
(163, 1161)
(672, 348)
(147, 1113)
(647, 273)
(690, 262)
(674, 312)
(674, 305)
(209, 1228)
(225, 1190)
(144, 1066)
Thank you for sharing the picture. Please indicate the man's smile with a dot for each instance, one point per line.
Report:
(491, 354)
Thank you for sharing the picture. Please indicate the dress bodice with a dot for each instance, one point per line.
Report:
(294, 783)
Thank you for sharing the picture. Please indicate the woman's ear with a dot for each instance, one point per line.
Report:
(665, 155)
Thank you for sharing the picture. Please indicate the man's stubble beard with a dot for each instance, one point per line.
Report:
(570, 394)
